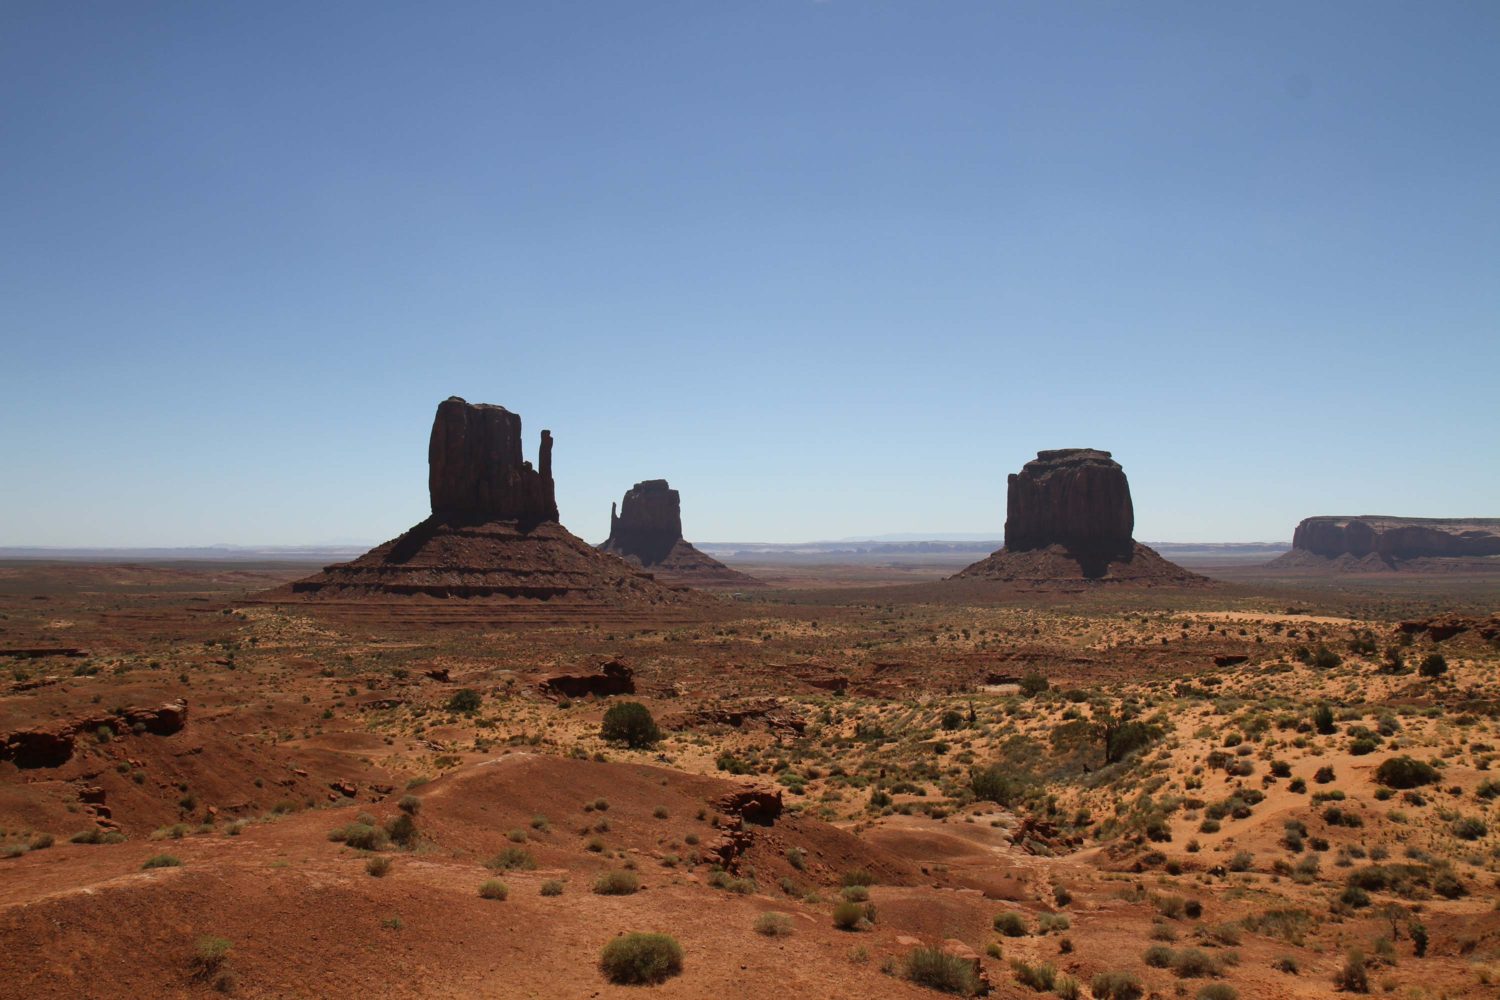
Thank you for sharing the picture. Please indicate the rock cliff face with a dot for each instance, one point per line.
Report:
(647, 524)
(493, 541)
(1069, 520)
(1376, 542)
(646, 531)
(1074, 497)
(475, 469)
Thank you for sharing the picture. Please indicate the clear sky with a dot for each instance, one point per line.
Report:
(831, 268)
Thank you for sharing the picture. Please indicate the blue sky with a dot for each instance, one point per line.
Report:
(831, 268)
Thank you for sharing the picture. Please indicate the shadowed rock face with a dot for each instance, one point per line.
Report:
(1074, 497)
(475, 470)
(1398, 538)
(648, 523)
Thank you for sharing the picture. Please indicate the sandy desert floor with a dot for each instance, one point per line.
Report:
(1107, 794)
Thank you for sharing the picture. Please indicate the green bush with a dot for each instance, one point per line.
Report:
(858, 876)
(1033, 684)
(402, 829)
(1469, 828)
(630, 723)
(937, 970)
(1323, 720)
(410, 804)
(493, 888)
(1433, 665)
(1405, 772)
(773, 924)
(1192, 963)
(850, 916)
(209, 955)
(552, 887)
(512, 859)
(616, 883)
(379, 866)
(1353, 977)
(466, 700)
(1218, 991)
(1116, 986)
(641, 958)
(163, 861)
(1041, 977)
(997, 784)
(1011, 924)
(363, 836)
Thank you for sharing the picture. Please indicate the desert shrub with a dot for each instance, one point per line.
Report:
(1353, 977)
(378, 866)
(936, 970)
(773, 924)
(1469, 828)
(1325, 659)
(1433, 665)
(641, 958)
(1040, 977)
(552, 887)
(1362, 746)
(1405, 772)
(209, 955)
(616, 883)
(850, 916)
(1158, 956)
(361, 836)
(493, 888)
(466, 700)
(512, 859)
(1323, 720)
(858, 876)
(1241, 862)
(40, 842)
(855, 893)
(997, 784)
(630, 723)
(1011, 924)
(1033, 684)
(402, 829)
(1124, 739)
(163, 861)
(1049, 922)
(1067, 988)
(1218, 991)
(1287, 964)
(1116, 986)
(410, 804)
(1418, 939)
(1192, 963)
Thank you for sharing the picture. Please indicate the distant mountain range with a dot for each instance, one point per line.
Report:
(950, 548)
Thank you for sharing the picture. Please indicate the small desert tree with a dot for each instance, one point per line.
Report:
(630, 723)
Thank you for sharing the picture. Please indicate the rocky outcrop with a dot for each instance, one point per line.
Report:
(493, 539)
(475, 470)
(646, 531)
(1375, 538)
(1069, 520)
(612, 678)
(647, 524)
(33, 748)
(1074, 497)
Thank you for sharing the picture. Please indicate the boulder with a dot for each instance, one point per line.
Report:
(761, 806)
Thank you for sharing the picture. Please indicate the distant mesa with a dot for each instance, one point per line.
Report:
(646, 531)
(1069, 518)
(1379, 542)
(493, 536)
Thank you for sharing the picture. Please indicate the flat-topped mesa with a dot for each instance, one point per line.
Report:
(648, 523)
(1395, 539)
(475, 470)
(1078, 498)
